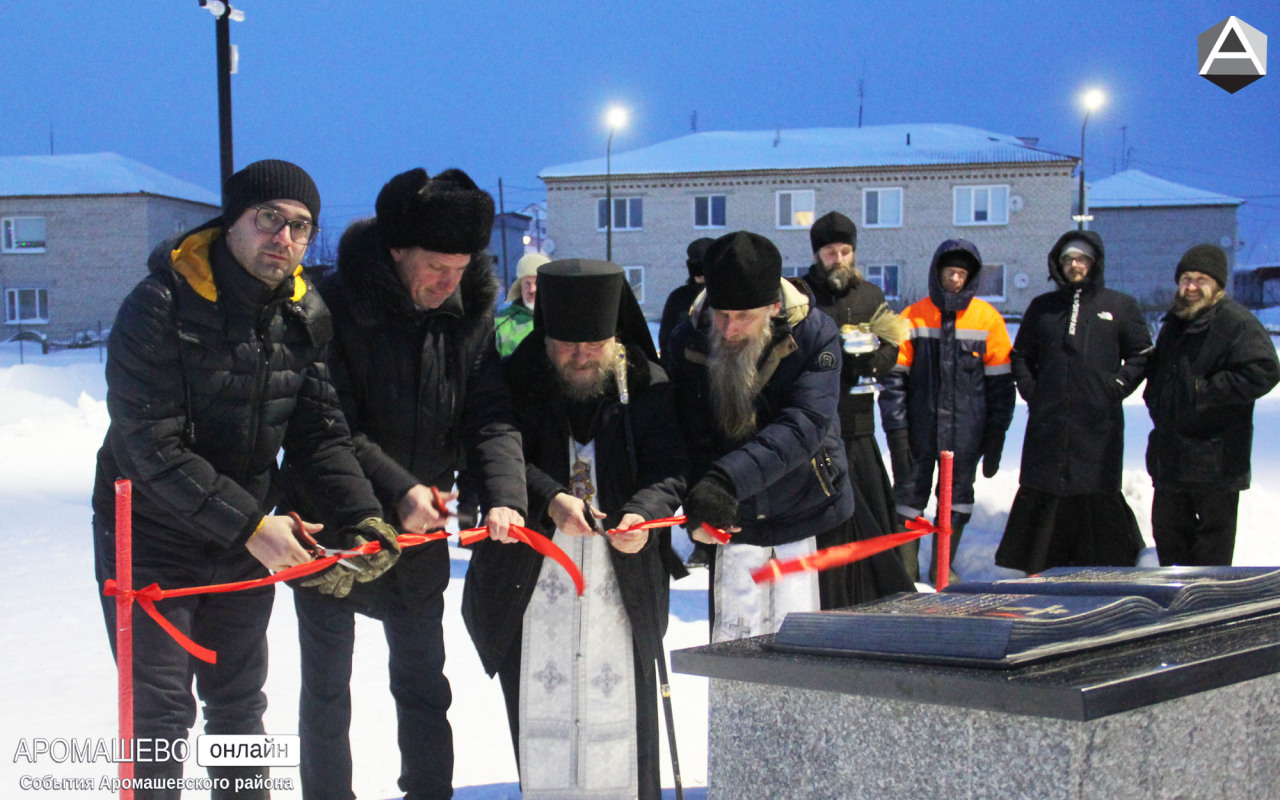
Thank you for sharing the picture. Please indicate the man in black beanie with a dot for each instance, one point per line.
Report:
(757, 369)
(419, 377)
(1211, 361)
(216, 363)
(602, 450)
(870, 333)
(676, 309)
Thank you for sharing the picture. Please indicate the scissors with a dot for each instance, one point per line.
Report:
(318, 550)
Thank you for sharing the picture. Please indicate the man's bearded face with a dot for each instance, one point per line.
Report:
(1196, 292)
(838, 261)
(584, 369)
(738, 340)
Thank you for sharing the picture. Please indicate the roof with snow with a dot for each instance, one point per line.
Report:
(92, 173)
(1134, 188)
(815, 148)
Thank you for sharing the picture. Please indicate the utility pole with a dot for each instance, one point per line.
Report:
(223, 14)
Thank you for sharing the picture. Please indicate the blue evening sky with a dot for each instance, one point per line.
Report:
(358, 91)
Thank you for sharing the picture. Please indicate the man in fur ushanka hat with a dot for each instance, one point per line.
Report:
(602, 450)
(414, 362)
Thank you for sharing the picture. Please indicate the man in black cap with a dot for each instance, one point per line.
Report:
(681, 298)
(1211, 361)
(420, 380)
(870, 333)
(1080, 350)
(602, 451)
(758, 373)
(952, 389)
(216, 362)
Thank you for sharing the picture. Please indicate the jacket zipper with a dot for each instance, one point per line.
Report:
(826, 487)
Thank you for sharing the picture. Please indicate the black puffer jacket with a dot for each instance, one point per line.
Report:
(421, 389)
(209, 374)
(1079, 352)
(858, 304)
(1202, 380)
(791, 478)
(500, 579)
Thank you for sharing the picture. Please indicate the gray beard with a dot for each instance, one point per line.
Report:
(839, 278)
(581, 393)
(732, 373)
(1188, 310)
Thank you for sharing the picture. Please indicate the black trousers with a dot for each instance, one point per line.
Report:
(1194, 528)
(233, 624)
(415, 638)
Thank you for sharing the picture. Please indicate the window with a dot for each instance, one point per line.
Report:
(635, 277)
(886, 277)
(793, 272)
(982, 205)
(795, 209)
(26, 306)
(991, 282)
(628, 214)
(22, 234)
(882, 208)
(708, 211)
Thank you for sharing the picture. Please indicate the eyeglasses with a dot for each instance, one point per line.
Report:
(268, 220)
(1074, 259)
(1203, 282)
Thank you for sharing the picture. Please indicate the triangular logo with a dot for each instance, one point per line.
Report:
(1232, 43)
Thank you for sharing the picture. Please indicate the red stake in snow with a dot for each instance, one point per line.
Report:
(124, 627)
(944, 519)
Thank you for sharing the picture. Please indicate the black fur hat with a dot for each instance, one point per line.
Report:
(444, 214)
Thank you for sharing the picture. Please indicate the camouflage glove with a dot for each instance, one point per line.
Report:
(337, 580)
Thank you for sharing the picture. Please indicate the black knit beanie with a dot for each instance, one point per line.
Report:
(831, 228)
(264, 181)
(743, 271)
(444, 214)
(1207, 258)
(696, 252)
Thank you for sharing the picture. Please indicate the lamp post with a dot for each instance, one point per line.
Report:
(615, 119)
(1092, 101)
(223, 13)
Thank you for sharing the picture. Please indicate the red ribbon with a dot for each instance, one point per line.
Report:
(841, 554)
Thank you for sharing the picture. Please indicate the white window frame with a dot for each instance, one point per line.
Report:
(872, 276)
(8, 234)
(12, 303)
(879, 195)
(634, 270)
(792, 224)
(794, 272)
(972, 193)
(632, 205)
(710, 201)
(1004, 279)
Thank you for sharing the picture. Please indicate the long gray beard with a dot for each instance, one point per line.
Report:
(732, 373)
(1187, 310)
(840, 278)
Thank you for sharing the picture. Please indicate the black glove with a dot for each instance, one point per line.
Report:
(992, 446)
(900, 460)
(712, 501)
(338, 579)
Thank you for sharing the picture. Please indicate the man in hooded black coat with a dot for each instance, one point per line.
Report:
(640, 468)
(1080, 350)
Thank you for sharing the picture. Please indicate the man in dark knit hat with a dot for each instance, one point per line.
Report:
(676, 309)
(1212, 360)
(602, 451)
(870, 333)
(758, 373)
(418, 375)
(1081, 349)
(215, 365)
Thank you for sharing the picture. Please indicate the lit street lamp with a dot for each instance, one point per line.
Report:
(616, 118)
(223, 13)
(1092, 101)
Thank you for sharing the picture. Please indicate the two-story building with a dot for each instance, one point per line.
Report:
(908, 187)
(75, 233)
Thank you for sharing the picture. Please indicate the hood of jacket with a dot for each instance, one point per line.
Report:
(376, 294)
(1095, 279)
(966, 251)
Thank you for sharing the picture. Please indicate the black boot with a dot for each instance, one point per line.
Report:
(909, 553)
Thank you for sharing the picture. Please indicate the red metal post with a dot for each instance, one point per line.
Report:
(124, 627)
(944, 519)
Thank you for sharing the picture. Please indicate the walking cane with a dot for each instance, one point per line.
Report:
(651, 601)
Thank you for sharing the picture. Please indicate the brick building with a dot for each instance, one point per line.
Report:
(908, 187)
(1147, 223)
(75, 233)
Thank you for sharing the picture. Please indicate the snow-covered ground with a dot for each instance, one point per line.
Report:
(59, 679)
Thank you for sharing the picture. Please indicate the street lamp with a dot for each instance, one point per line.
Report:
(223, 14)
(615, 118)
(1092, 101)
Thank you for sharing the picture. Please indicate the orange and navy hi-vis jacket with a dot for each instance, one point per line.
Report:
(953, 383)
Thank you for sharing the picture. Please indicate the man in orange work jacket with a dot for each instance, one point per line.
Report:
(952, 389)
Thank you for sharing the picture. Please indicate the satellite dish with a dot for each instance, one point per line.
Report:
(1015, 202)
(1021, 280)
(1225, 241)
